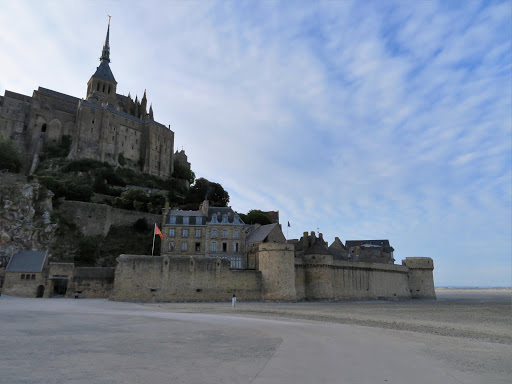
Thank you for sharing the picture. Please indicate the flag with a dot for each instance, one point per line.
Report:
(157, 232)
(289, 225)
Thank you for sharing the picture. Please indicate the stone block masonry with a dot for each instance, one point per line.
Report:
(187, 278)
(96, 219)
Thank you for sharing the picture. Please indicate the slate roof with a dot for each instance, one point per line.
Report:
(260, 233)
(17, 96)
(220, 212)
(27, 261)
(58, 95)
(355, 243)
(104, 72)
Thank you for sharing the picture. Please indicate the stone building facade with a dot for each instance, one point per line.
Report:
(211, 232)
(105, 126)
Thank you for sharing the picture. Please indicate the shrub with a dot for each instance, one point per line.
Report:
(9, 157)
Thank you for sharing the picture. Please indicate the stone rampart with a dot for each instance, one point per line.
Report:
(276, 263)
(421, 277)
(350, 280)
(96, 219)
(92, 282)
(164, 278)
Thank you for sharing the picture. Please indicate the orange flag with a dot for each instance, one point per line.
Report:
(157, 232)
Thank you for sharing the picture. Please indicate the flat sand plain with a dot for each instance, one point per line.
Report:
(470, 330)
(463, 337)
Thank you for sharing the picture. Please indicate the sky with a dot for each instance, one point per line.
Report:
(361, 120)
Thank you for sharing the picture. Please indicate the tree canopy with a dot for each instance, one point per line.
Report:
(255, 216)
(204, 189)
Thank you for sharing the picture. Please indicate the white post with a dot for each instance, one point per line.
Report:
(153, 249)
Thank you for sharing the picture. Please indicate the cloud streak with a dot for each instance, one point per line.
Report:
(383, 121)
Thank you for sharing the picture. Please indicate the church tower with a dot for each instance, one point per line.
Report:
(101, 87)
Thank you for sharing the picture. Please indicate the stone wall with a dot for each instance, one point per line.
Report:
(164, 278)
(15, 286)
(96, 219)
(92, 282)
(276, 263)
(421, 278)
(356, 280)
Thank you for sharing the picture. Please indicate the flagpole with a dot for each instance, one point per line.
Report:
(154, 234)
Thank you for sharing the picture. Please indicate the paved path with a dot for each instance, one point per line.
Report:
(97, 341)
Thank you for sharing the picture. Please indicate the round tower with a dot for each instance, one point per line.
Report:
(317, 268)
(276, 262)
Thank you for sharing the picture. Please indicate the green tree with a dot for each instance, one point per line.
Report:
(9, 157)
(255, 216)
(204, 189)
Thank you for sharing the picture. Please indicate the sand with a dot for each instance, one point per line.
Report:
(463, 337)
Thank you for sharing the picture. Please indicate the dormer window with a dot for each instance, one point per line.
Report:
(199, 220)
(214, 219)
(185, 220)
(224, 219)
(173, 219)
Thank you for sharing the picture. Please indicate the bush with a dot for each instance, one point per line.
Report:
(10, 159)
(59, 150)
(141, 225)
(121, 159)
(82, 165)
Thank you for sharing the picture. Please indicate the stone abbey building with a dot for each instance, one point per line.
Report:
(105, 126)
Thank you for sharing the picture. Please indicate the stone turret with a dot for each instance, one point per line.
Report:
(277, 265)
(317, 261)
(421, 277)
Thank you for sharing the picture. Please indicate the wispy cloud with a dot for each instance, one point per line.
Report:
(388, 120)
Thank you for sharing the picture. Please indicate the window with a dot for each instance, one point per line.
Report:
(214, 219)
(198, 247)
(185, 220)
(43, 128)
(213, 246)
(184, 246)
(98, 87)
(236, 234)
(224, 247)
(236, 262)
(22, 276)
(33, 277)
(173, 219)
(171, 232)
(103, 88)
(235, 247)
(224, 233)
(184, 233)
(171, 246)
(224, 219)
(199, 220)
(109, 89)
(214, 233)
(198, 233)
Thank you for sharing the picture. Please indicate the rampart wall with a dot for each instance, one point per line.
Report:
(96, 219)
(164, 278)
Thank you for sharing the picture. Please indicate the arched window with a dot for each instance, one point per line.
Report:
(43, 128)
(109, 89)
(98, 87)
(103, 88)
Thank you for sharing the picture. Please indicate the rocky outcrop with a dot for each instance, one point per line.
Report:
(25, 215)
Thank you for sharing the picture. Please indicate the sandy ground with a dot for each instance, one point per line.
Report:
(463, 337)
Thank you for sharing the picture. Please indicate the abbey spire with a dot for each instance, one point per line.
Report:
(105, 53)
(101, 87)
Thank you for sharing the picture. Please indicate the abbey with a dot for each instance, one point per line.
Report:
(105, 126)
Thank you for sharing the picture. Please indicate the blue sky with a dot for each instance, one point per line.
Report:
(366, 120)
